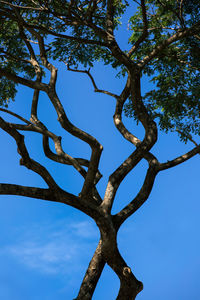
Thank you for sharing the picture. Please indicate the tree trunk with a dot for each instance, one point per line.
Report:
(92, 275)
(129, 285)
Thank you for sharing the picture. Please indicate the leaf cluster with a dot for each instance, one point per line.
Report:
(68, 27)
(174, 101)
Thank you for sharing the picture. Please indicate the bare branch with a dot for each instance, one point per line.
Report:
(65, 160)
(96, 147)
(61, 156)
(15, 115)
(118, 115)
(34, 106)
(27, 191)
(26, 160)
(96, 89)
(92, 170)
(57, 195)
(139, 200)
(179, 160)
(143, 148)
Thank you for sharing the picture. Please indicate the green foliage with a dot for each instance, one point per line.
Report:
(80, 54)
(174, 100)
(13, 56)
(7, 91)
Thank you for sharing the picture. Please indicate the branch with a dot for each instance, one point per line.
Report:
(92, 170)
(144, 33)
(96, 147)
(94, 144)
(80, 161)
(96, 89)
(17, 58)
(118, 115)
(58, 195)
(143, 148)
(188, 136)
(26, 160)
(188, 64)
(32, 192)
(64, 36)
(22, 7)
(110, 16)
(139, 200)
(177, 36)
(27, 82)
(120, 126)
(61, 156)
(179, 160)
(43, 55)
(15, 115)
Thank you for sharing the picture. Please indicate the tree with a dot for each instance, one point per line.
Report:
(163, 46)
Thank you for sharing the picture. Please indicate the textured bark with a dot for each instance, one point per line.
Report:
(128, 287)
(88, 200)
(92, 275)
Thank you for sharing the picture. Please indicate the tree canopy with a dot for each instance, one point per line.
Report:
(163, 39)
(163, 46)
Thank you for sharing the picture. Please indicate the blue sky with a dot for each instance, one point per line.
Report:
(46, 247)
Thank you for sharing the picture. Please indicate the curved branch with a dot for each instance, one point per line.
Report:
(27, 82)
(177, 36)
(120, 125)
(26, 160)
(118, 115)
(15, 115)
(96, 89)
(142, 148)
(179, 160)
(94, 144)
(145, 30)
(61, 156)
(139, 200)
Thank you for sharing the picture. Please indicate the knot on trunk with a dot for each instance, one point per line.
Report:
(126, 271)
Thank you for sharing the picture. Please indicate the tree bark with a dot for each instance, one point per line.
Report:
(92, 275)
(129, 285)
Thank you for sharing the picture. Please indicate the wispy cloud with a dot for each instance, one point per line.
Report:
(55, 248)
